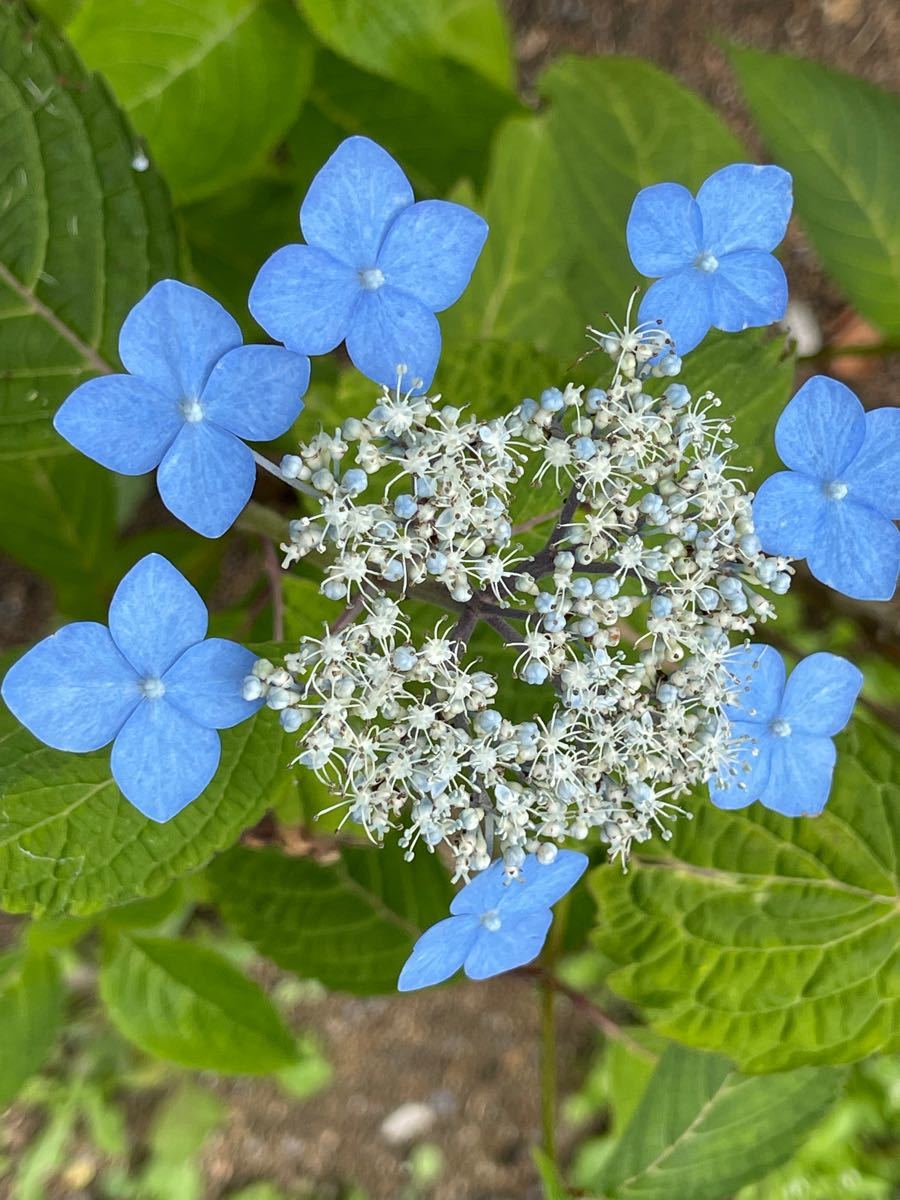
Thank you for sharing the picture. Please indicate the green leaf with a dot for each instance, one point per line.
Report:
(753, 375)
(840, 139)
(232, 234)
(702, 1129)
(211, 85)
(65, 524)
(350, 924)
(397, 38)
(71, 843)
(185, 1003)
(518, 290)
(776, 941)
(618, 125)
(31, 998)
(83, 233)
(439, 134)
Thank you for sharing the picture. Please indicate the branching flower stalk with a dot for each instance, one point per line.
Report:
(619, 624)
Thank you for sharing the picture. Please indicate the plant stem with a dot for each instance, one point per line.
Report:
(274, 469)
(272, 569)
(547, 989)
(548, 1067)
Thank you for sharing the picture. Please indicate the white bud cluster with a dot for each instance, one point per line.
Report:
(622, 621)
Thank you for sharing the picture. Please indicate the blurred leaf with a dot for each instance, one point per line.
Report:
(185, 1003)
(149, 913)
(65, 521)
(60, 12)
(840, 139)
(350, 924)
(853, 1152)
(71, 843)
(398, 38)
(232, 234)
(769, 939)
(31, 999)
(517, 289)
(439, 134)
(617, 125)
(184, 1121)
(702, 1130)
(754, 377)
(211, 85)
(310, 1074)
(83, 234)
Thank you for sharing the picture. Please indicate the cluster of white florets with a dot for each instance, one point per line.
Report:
(621, 621)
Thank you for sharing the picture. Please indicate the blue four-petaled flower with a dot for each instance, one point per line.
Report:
(712, 255)
(375, 268)
(497, 923)
(837, 504)
(192, 393)
(149, 683)
(783, 729)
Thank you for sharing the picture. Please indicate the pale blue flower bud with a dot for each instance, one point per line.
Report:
(488, 721)
(291, 719)
(677, 395)
(354, 481)
(405, 507)
(606, 589)
(535, 673)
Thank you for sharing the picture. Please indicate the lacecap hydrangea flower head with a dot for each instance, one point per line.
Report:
(499, 681)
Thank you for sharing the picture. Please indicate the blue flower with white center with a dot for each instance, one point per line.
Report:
(497, 923)
(785, 756)
(192, 393)
(837, 504)
(375, 268)
(712, 255)
(149, 683)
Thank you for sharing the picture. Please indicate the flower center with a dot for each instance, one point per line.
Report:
(192, 410)
(706, 261)
(491, 920)
(371, 279)
(835, 490)
(153, 688)
(780, 728)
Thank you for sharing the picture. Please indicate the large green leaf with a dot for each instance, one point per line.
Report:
(187, 1003)
(618, 125)
(439, 134)
(232, 234)
(702, 1129)
(30, 1006)
(840, 138)
(350, 923)
(71, 843)
(776, 941)
(62, 523)
(398, 38)
(518, 290)
(753, 375)
(212, 85)
(82, 236)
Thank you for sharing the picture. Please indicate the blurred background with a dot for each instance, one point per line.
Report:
(236, 103)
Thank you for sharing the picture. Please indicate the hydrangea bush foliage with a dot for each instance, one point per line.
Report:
(541, 620)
